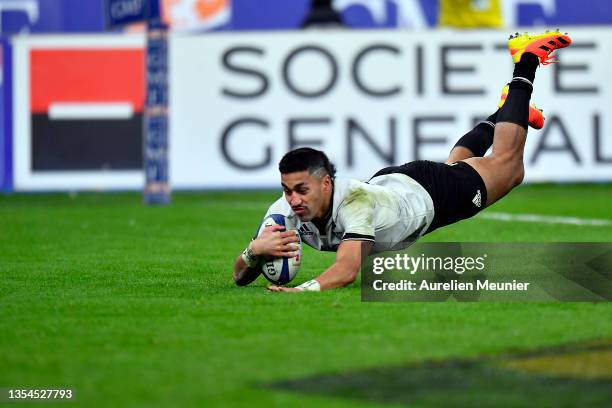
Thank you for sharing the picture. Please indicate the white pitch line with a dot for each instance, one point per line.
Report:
(545, 219)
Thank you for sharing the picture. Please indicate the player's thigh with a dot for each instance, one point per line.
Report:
(496, 175)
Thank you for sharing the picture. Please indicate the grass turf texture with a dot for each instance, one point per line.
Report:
(134, 306)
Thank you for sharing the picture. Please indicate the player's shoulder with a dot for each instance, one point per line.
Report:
(351, 192)
(280, 206)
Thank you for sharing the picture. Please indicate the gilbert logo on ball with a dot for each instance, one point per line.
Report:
(281, 270)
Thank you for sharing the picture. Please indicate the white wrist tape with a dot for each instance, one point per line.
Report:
(248, 256)
(310, 286)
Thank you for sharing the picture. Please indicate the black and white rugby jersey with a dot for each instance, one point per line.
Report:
(391, 210)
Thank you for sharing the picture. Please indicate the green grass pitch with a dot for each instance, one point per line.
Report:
(135, 306)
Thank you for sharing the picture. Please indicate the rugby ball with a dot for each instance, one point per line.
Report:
(280, 270)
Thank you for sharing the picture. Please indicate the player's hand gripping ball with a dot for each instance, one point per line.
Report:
(280, 270)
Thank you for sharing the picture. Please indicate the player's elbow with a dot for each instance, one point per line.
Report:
(244, 277)
(238, 279)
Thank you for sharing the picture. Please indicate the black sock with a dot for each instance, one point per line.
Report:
(526, 67)
(516, 107)
(493, 117)
(479, 139)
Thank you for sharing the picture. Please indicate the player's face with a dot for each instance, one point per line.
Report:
(308, 195)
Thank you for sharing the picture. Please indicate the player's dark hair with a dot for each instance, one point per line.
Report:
(306, 158)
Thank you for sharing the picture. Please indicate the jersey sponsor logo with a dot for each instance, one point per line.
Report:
(477, 200)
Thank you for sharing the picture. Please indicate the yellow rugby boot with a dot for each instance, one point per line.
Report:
(542, 45)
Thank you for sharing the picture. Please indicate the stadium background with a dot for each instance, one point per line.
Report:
(134, 306)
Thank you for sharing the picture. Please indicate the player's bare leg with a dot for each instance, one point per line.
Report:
(503, 169)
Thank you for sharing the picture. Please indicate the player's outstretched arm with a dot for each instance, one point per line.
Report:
(343, 272)
(273, 242)
(348, 263)
(243, 275)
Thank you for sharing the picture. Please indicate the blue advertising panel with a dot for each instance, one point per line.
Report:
(280, 14)
(564, 13)
(44, 16)
(51, 16)
(6, 118)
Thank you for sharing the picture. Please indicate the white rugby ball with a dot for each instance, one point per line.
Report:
(280, 270)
